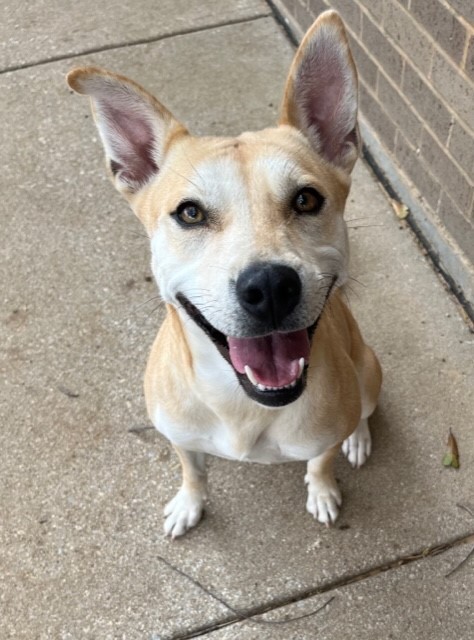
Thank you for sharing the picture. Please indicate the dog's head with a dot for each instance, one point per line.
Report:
(247, 233)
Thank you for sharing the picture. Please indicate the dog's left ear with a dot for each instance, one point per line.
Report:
(321, 92)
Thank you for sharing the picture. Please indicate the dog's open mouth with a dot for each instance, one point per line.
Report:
(271, 369)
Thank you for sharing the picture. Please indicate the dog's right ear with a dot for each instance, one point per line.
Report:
(134, 127)
(321, 92)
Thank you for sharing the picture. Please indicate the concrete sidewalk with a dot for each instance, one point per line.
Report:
(84, 479)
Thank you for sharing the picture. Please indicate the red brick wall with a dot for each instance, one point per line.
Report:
(416, 68)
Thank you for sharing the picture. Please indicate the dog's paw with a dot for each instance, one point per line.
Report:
(358, 446)
(182, 513)
(323, 501)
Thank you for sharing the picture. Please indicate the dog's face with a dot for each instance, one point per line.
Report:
(249, 238)
(247, 233)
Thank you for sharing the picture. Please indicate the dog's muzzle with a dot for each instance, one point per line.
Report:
(272, 366)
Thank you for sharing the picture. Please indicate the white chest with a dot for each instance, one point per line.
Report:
(267, 444)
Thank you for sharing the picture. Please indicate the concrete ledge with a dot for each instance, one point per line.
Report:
(443, 250)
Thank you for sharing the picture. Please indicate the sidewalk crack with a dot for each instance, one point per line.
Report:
(139, 41)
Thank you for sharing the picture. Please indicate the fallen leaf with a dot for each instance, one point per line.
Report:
(451, 457)
(400, 209)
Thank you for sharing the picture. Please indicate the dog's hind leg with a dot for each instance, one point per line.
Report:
(185, 510)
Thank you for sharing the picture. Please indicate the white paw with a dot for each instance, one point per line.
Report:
(358, 446)
(182, 513)
(323, 502)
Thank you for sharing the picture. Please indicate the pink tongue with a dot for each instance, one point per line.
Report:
(274, 359)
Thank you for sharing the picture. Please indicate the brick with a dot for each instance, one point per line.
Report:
(442, 25)
(426, 103)
(377, 118)
(410, 163)
(461, 229)
(397, 108)
(376, 8)
(350, 13)
(381, 49)
(465, 8)
(470, 59)
(461, 147)
(403, 30)
(457, 91)
(448, 174)
(366, 67)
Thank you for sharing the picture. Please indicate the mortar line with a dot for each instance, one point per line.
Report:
(258, 610)
(139, 41)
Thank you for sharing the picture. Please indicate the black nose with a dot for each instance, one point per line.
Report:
(269, 292)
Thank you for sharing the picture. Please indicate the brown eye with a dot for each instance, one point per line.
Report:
(189, 213)
(308, 200)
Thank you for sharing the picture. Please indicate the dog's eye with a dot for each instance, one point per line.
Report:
(308, 200)
(189, 213)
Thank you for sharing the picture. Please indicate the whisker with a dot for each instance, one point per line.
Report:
(351, 290)
(366, 226)
(137, 307)
(218, 266)
(185, 178)
(154, 310)
(142, 304)
(195, 170)
(358, 281)
(137, 233)
(362, 218)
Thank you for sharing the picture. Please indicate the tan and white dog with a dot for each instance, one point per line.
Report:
(258, 357)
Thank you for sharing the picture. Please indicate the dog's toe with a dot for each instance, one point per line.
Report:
(323, 504)
(358, 446)
(182, 513)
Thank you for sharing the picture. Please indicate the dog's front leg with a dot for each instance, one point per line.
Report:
(185, 509)
(324, 497)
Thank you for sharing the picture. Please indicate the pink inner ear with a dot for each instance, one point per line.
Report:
(321, 113)
(326, 93)
(131, 142)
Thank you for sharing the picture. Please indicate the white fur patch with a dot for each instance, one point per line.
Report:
(269, 437)
(324, 500)
(183, 512)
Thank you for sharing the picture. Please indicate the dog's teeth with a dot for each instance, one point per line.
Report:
(250, 375)
(301, 367)
(261, 387)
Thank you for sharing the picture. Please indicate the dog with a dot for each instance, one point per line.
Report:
(258, 358)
